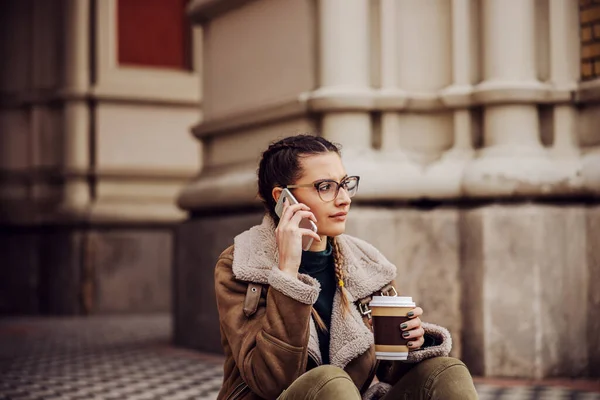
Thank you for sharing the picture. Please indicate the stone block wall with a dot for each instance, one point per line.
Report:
(77, 270)
(590, 39)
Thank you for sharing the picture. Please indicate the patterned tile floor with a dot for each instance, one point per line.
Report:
(130, 357)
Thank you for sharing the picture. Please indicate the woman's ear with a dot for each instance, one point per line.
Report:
(276, 192)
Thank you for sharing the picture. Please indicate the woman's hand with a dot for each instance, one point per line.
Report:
(289, 235)
(412, 329)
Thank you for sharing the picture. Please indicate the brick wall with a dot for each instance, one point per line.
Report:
(589, 17)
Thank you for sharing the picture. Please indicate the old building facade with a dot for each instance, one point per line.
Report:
(474, 125)
(475, 128)
(96, 102)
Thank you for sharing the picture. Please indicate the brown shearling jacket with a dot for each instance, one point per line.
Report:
(267, 331)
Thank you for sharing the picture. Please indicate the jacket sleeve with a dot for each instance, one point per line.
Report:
(391, 371)
(270, 347)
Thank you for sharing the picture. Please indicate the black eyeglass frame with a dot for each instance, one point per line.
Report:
(317, 183)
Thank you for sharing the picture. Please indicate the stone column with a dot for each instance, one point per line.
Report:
(424, 69)
(76, 110)
(388, 33)
(564, 74)
(391, 99)
(446, 174)
(344, 73)
(513, 161)
(523, 258)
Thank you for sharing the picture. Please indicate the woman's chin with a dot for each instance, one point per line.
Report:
(333, 230)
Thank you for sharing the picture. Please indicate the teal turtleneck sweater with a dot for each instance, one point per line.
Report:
(320, 265)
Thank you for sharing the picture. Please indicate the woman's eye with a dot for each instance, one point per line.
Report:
(324, 187)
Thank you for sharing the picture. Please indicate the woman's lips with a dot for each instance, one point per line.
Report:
(339, 216)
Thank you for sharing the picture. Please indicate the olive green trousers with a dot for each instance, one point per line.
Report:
(433, 379)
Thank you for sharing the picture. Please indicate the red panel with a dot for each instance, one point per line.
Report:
(153, 33)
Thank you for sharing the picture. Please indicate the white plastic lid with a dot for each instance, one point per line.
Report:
(391, 301)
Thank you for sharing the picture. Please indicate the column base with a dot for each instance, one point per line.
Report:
(442, 180)
(385, 175)
(510, 171)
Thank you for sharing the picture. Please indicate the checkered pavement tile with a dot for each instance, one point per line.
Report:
(130, 358)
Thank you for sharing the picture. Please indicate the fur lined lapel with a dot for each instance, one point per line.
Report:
(349, 336)
(255, 254)
(366, 270)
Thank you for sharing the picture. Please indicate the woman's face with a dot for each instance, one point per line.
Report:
(331, 216)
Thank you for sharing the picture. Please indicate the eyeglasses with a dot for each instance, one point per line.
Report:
(329, 189)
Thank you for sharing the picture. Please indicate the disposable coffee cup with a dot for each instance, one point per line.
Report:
(388, 313)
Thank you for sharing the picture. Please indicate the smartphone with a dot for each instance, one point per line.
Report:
(305, 223)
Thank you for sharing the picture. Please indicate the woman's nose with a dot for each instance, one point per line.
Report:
(343, 197)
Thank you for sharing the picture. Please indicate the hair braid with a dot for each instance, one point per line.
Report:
(338, 260)
(318, 320)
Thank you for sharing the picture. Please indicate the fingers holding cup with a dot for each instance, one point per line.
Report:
(415, 312)
(416, 344)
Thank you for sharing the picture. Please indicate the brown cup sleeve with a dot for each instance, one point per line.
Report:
(387, 330)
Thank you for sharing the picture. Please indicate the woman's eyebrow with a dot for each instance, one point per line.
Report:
(329, 179)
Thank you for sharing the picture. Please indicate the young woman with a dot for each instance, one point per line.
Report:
(291, 321)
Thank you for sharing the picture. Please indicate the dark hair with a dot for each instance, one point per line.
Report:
(280, 164)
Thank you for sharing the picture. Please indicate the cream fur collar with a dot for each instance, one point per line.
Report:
(255, 254)
(366, 270)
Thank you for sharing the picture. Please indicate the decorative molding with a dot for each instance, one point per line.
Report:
(37, 175)
(267, 114)
(333, 98)
(122, 195)
(41, 97)
(457, 96)
(506, 92)
(397, 100)
(225, 188)
(498, 175)
(202, 11)
(115, 81)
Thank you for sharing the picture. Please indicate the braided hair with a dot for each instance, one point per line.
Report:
(280, 166)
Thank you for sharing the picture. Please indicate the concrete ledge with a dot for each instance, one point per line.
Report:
(458, 175)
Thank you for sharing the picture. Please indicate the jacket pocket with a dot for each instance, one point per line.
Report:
(238, 392)
(281, 344)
